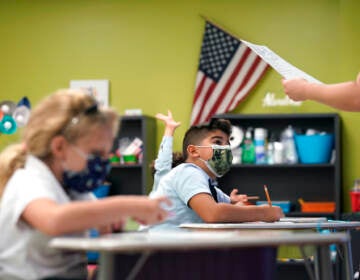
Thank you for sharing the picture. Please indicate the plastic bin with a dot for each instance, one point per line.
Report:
(355, 201)
(284, 205)
(315, 148)
(317, 206)
(101, 191)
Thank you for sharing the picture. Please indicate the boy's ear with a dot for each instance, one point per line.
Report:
(192, 151)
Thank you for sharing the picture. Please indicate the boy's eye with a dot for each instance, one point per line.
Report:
(218, 142)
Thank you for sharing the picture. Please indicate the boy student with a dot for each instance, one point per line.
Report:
(45, 182)
(167, 159)
(191, 186)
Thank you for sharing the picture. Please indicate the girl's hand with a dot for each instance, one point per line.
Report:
(152, 211)
(117, 226)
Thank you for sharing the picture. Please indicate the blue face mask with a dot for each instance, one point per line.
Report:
(91, 177)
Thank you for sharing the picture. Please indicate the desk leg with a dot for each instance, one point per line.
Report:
(323, 267)
(106, 267)
(349, 273)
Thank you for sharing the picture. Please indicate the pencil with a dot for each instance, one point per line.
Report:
(252, 197)
(267, 195)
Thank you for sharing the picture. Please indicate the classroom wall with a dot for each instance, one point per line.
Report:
(149, 51)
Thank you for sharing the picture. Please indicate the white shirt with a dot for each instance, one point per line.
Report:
(24, 251)
(163, 162)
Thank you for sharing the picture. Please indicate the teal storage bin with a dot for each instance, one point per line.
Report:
(102, 191)
(315, 148)
(283, 204)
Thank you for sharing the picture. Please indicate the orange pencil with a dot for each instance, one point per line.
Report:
(267, 195)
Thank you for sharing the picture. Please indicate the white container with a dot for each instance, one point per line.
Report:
(260, 135)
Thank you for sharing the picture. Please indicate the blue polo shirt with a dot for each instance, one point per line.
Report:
(180, 185)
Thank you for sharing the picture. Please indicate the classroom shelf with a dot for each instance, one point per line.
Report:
(134, 178)
(329, 215)
(311, 182)
(295, 270)
(136, 165)
(241, 165)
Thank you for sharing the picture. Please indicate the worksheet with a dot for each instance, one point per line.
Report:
(280, 65)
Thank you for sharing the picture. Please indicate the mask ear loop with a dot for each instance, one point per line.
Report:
(80, 152)
(221, 147)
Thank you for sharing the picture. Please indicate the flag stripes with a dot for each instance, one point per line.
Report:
(227, 72)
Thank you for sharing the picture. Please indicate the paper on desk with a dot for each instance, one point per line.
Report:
(280, 65)
(304, 219)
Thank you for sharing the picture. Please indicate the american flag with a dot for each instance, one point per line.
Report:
(228, 70)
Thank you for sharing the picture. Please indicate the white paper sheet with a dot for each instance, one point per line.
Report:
(280, 65)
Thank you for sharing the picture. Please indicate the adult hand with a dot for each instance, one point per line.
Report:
(295, 88)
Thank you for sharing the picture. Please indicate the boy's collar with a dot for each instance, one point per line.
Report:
(213, 180)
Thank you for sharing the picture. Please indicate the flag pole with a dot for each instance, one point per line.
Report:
(220, 27)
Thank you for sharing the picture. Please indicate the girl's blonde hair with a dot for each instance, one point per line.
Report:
(67, 112)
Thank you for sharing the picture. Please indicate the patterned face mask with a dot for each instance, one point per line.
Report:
(91, 177)
(220, 163)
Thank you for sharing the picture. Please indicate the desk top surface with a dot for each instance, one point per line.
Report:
(184, 239)
(285, 224)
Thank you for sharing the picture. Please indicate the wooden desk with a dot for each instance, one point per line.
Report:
(176, 243)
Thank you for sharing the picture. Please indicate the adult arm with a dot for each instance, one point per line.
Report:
(344, 96)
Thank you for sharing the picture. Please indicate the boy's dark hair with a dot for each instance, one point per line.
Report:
(195, 134)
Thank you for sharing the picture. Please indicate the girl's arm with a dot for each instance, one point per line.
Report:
(54, 219)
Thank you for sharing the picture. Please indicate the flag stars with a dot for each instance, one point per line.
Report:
(217, 50)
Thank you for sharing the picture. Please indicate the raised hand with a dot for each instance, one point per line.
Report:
(170, 123)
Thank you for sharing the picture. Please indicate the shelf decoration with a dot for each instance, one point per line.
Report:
(97, 88)
(13, 116)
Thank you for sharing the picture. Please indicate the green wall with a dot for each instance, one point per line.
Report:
(149, 51)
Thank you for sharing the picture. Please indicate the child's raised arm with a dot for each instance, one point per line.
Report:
(170, 123)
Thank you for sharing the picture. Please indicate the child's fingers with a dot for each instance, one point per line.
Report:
(160, 116)
(170, 114)
(164, 200)
(162, 215)
(234, 192)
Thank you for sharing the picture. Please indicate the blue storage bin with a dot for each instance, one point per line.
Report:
(92, 256)
(101, 191)
(315, 148)
(284, 204)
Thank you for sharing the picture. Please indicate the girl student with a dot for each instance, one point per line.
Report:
(45, 185)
